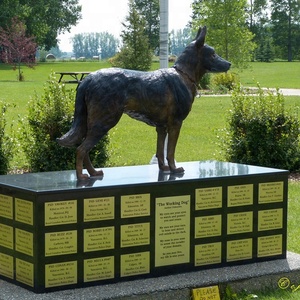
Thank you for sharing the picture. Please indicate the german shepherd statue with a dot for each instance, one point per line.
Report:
(161, 98)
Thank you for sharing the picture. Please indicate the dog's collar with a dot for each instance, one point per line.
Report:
(189, 77)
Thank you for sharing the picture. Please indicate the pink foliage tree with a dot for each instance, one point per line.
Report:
(16, 48)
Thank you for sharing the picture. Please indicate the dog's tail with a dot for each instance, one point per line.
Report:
(77, 132)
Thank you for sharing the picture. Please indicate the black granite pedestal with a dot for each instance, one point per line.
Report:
(135, 222)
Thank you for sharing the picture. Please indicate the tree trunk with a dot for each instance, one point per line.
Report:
(164, 33)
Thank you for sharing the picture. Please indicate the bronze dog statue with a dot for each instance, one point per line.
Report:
(161, 98)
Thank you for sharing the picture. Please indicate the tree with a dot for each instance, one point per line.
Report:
(149, 9)
(179, 39)
(135, 53)
(17, 48)
(44, 19)
(285, 19)
(228, 32)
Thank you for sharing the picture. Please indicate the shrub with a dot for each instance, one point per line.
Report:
(205, 81)
(225, 81)
(49, 117)
(6, 142)
(261, 132)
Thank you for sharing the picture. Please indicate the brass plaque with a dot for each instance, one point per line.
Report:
(208, 254)
(6, 204)
(239, 250)
(172, 230)
(135, 235)
(99, 268)
(6, 265)
(135, 264)
(208, 198)
(208, 226)
(135, 205)
(60, 274)
(24, 211)
(60, 243)
(270, 192)
(60, 212)
(6, 236)
(96, 239)
(24, 272)
(99, 209)
(24, 241)
(269, 245)
(240, 222)
(270, 219)
(240, 195)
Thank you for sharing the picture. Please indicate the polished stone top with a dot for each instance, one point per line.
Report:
(130, 175)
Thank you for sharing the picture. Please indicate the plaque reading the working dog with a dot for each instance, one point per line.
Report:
(172, 230)
(208, 254)
(99, 268)
(208, 226)
(6, 204)
(270, 219)
(135, 264)
(135, 206)
(6, 236)
(24, 272)
(59, 274)
(99, 209)
(24, 211)
(96, 239)
(240, 195)
(7, 265)
(239, 250)
(269, 245)
(208, 198)
(24, 242)
(270, 192)
(135, 235)
(60, 212)
(60, 243)
(241, 222)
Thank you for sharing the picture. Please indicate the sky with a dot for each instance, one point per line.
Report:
(107, 15)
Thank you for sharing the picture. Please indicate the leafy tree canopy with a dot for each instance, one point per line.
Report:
(44, 19)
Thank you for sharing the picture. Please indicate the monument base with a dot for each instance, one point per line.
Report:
(135, 222)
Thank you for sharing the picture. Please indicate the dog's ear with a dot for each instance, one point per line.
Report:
(200, 39)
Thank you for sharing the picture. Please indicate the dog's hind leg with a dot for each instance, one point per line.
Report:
(161, 136)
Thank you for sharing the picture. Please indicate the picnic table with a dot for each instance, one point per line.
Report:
(76, 77)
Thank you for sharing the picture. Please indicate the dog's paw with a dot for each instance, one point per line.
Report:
(178, 170)
(83, 177)
(97, 173)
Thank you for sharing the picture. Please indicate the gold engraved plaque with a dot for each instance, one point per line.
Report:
(135, 206)
(60, 274)
(208, 254)
(96, 239)
(135, 264)
(240, 195)
(239, 250)
(6, 236)
(6, 265)
(208, 226)
(24, 272)
(60, 212)
(24, 242)
(99, 209)
(172, 230)
(240, 222)
(208, 198)
(270, 219)
(269, 245)
(60, 243)
(6, 204)
(135, 235)
(270, 192)
(24, 211)
(101, 268)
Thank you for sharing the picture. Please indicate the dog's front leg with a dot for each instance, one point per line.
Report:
(173, 134)
(161, 136)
